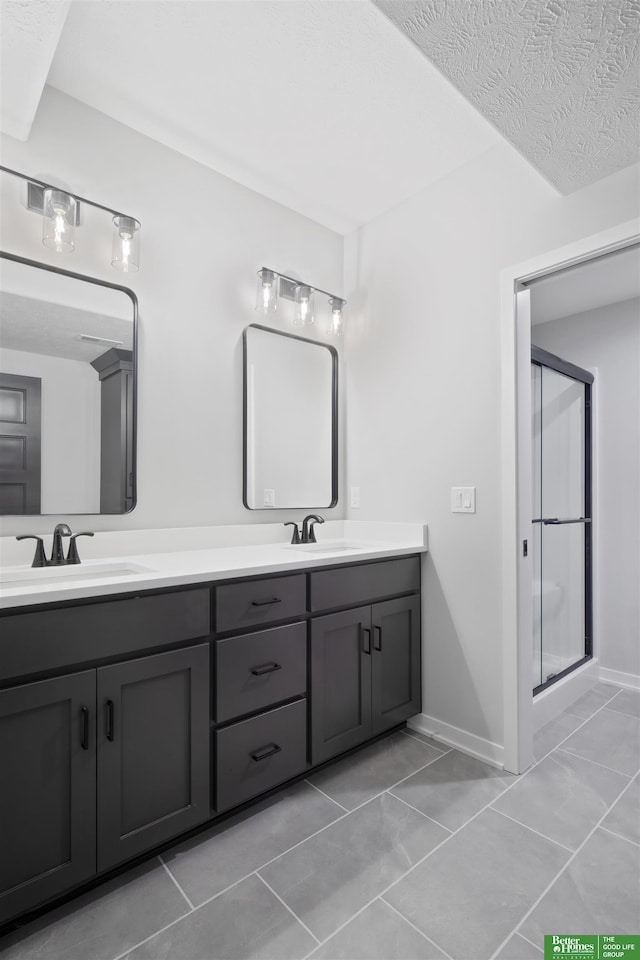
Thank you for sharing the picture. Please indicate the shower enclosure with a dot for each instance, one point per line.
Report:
(562, 536)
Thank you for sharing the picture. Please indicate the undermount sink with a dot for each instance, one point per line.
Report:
(35, 576)
(323, 547)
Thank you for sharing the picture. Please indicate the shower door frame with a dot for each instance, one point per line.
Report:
(542, 358)
(516, 753)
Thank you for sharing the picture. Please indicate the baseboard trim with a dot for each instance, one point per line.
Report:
(462, 740)
(621, 678)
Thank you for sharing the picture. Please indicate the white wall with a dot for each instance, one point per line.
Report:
(424, 393)
(70, 431)
(608, 339)
(203, 238)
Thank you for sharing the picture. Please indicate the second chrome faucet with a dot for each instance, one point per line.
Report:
(308, 531)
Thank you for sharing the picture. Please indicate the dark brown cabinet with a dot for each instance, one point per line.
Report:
(48, 793)
(365, 674)
(153, 748)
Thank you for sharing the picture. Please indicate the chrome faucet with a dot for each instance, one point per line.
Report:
(58, 558)
(308, 532)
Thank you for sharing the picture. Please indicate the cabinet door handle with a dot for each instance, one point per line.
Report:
(84, 728)
(109, 724)
(265, 752)
(267, 668)
(265, 603)
(377, 646)
(366, 634)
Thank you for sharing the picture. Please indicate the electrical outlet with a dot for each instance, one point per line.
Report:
(269, 498)
(463, 499)
(355, 497)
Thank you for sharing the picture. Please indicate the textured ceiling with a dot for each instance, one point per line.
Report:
(559, 78)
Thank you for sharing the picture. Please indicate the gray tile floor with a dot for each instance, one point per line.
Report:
(404, 851)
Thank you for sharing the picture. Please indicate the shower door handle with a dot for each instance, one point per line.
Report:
(556, 522)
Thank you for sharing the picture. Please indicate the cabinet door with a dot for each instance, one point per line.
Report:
(396, 662)
(340, 682)
(48, 794)
(153, 751)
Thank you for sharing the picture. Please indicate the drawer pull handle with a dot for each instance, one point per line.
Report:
(377, 646)
(265, 603)
(267, 668)
(265, 752)
(109, 720)
(84, 728)
(366, 633)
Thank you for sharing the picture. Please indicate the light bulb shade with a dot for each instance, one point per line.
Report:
(303, 315)
(125, 251)
(267, 292)
(336, 322)
(58, 220)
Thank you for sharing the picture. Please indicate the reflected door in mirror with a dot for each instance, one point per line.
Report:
(20, 418)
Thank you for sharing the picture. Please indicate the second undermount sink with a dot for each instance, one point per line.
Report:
(324, 547)
(35, 576)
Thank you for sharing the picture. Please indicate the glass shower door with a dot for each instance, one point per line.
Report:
(561, 429)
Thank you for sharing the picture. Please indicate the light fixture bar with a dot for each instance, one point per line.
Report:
(288, 288)
(52, 186)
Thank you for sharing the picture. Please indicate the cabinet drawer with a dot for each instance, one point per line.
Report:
(364, 583)
(247, 761)
(34, 642)
(256, 670)
(242, 605)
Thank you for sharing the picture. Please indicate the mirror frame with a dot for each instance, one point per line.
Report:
(334, 418)
(4, 255)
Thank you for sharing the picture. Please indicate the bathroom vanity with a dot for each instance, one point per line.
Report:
(131, 713)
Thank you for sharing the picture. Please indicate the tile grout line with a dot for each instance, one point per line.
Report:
(426, 816)
(543, 836)
(287, 907)
(272, 860)
(417, 929)
(528, 941)
(619, 836)
(561, 871)
(603, 766)
(381, 895)
(443, 747)
(346, 810)
(569, 735)
(191, 906)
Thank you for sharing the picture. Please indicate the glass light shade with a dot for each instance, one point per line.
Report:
(303, 315)
(337, 320)
(267, 292)
(125, 252)
(58, 220)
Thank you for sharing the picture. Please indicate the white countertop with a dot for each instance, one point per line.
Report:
(109, 572)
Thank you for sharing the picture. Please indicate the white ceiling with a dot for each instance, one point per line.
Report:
(597, 283)
(319, 105)
(323, 105)
(559, 78)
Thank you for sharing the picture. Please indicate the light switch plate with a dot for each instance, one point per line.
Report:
(355, 497)
(269, 498)
(463, 499)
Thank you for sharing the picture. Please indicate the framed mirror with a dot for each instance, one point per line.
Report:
(67, 392)
(290, 421)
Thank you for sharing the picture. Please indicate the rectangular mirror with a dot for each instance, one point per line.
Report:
(67, 392)
(290, 421)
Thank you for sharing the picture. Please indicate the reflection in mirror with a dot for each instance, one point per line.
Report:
(290, 421)
(67, 392)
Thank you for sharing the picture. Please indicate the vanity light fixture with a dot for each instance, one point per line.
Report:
(272, 285)
(125, 254)
(60, 211)
(267, 295)
(58, 220)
